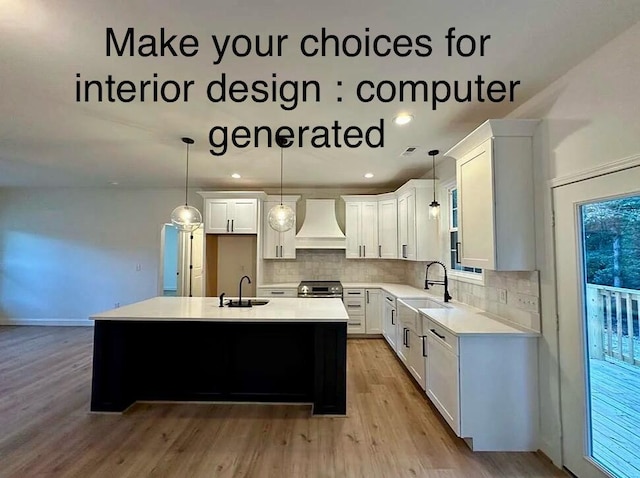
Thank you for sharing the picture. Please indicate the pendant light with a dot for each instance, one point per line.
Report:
(186, 218)
(281, 217)
(434, 207)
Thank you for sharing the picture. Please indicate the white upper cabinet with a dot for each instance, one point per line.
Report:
(417, 234)
(278, 245)
(361, 218)
(388, 227)
(496, 196)
(231, 216)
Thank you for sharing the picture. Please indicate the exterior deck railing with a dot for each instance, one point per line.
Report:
(613, 324)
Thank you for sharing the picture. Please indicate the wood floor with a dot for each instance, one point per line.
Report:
(391, 429)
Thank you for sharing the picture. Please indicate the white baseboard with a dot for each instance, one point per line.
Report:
(49, 322)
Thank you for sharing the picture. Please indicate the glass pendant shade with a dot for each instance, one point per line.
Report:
(434, 210)
(186, 218)
(281, 218)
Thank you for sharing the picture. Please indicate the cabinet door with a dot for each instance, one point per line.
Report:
(410, 251)
(352, 229)
(416, 359)
(369, 229)
(476, 226)
(443, 382)
(388, 229)
(389, 323)
(270, 237)
(402, 342)
(245, 216)
(373, 311)
(288, 242)
(402, 226)
(217, 219)
(407, 226)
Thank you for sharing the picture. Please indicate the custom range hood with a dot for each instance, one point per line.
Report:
(320, 229)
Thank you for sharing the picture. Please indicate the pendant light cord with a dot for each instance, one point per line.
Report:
(433, 173)
(186, 179)
(281, 167)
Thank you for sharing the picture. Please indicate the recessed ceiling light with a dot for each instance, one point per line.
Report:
(368, 175)
(236, 176)
(114, 183)
(402, 118)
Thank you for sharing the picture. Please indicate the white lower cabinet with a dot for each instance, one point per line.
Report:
(373, 311)
(485, 386)
(389, 325)
(277, 292)
(442, 385)
(354, 302)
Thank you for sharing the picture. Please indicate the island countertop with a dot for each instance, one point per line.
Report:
(206, 309)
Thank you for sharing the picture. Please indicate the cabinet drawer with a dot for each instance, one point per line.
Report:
(389, 299)
(442, 335)
(355, 307)
(277, 292)
(353, 293)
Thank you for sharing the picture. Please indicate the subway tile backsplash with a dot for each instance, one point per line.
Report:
(317, 264)
(523, 293)
(523, 288)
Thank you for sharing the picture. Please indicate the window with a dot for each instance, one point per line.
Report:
(453, 235)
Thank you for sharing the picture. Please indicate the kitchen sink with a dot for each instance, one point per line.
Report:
(423, 304)
(247, 303)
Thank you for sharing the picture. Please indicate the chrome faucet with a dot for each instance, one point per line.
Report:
(240, 289)
(444, 282)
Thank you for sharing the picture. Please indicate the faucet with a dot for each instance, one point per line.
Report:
(444, 282)
(222, 300)
(240, 289)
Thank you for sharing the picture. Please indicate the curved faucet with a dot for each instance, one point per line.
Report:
(444, 282)
(240, 289)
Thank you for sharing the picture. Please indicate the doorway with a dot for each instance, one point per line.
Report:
(597, 240)
(182, 262)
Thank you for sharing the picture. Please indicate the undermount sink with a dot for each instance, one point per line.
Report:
(423, 304)
(247, 303)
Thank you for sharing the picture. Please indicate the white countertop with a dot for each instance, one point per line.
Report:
(279, 309)
(473, 322)
(458, 318)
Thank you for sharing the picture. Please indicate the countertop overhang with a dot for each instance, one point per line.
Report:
(206, 309)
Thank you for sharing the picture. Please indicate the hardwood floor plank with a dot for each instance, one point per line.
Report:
(391, 429)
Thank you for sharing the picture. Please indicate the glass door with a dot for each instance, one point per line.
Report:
(598, 279)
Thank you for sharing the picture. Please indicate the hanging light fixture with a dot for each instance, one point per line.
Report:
(186, 218)
(434, 207)
(281, 217)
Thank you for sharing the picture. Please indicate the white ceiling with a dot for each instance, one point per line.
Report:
(47, 139)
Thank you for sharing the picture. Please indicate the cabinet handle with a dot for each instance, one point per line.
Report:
(424, 346)
(433, 331)
(231, 225)
(355, 306)
(276, 251)
(404, 251)
(367, 297)
(406, 334)
(379, 250)
(364, 251)
(359, 251)
(227, 225)
(458, 252)
(277, 292)
(392, 312)
(353, 292)
(389, 299)
(281, 253)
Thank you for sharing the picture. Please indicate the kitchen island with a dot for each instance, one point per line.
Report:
(290, 350)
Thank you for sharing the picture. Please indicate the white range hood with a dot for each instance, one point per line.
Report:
(320, 229)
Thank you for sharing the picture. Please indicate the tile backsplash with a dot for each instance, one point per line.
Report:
(329, 264)
(522, 293)
(522, 288)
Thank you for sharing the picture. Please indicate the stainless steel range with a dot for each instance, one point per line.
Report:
(320, 289)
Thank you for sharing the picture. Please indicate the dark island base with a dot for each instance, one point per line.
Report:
(214, 361)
